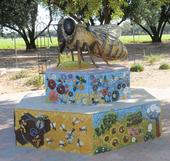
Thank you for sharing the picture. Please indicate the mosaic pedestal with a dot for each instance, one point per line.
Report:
(91, 86)
(87, 129)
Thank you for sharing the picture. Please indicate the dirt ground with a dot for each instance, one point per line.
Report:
(151, 77)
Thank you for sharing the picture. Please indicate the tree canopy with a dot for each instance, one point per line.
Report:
(20, 16)
(151, 15)
(91, 10)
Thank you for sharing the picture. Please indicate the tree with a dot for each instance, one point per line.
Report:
(106, 123)
(20, 16)
(109, 10)
(80, 10)
(151, 15)
(89, 11)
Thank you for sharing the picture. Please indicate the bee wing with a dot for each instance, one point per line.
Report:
(111, 30)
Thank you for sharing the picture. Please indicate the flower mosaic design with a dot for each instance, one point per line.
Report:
(107, 90)
(53, 96)
(88, 89)
(51, 84)
(65, 87)
(79, 83)
(61, 89)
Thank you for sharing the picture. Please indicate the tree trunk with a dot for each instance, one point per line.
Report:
(30, 45)
(105, 14)
(156, 36)
(156, 39)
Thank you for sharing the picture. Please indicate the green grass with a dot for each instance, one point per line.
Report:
(9, 43)
(137, 68)
(151, 59)
(67, 57)
(20, 44)
(141, 38)
(164, 66)
(36, 81)
(19, 75)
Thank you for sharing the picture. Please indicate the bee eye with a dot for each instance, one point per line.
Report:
(69, 26)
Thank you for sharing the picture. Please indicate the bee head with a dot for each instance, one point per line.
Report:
(69, 26)
(66, 28)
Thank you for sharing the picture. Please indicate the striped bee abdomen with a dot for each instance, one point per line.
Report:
(114, 49)
(118, 50)
(111, 47)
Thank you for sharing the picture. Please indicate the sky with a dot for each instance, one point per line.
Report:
(43, 17)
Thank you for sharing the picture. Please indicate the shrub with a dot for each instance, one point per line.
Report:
(151, 59)
(36, 81)
(164, 66)
(137, 68)
(19, 75)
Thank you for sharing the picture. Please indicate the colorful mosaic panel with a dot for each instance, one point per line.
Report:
(117, 128)
(87, 133)
(70, 132)
(87, 88)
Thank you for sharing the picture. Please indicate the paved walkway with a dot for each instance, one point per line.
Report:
(156, 150)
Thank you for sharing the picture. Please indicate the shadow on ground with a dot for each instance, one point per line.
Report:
(156, 150)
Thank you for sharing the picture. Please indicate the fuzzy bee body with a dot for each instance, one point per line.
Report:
(62, 143)
(75, 121)
(63, 128)
(97, 39)
(83, 129)
(79, 143)
(82, 35)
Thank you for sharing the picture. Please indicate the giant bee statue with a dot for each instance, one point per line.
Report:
(101, 41)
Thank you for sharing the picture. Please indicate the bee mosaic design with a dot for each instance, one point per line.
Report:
(32, 129)
(100, 41)
(54, 130)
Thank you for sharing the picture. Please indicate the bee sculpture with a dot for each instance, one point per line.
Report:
(100, 41)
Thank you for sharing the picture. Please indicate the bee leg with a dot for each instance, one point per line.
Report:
(90, 54)
(83, 47)
(82, 58)
(105, 60)
(101, 53)
(91, 57)
(79, 53)
(72, 55)
(59, 61)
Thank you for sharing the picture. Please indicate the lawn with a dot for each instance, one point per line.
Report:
(141, 38)
(41, 42)
(45, 42)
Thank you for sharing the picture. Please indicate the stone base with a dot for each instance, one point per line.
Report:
(88, 129)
